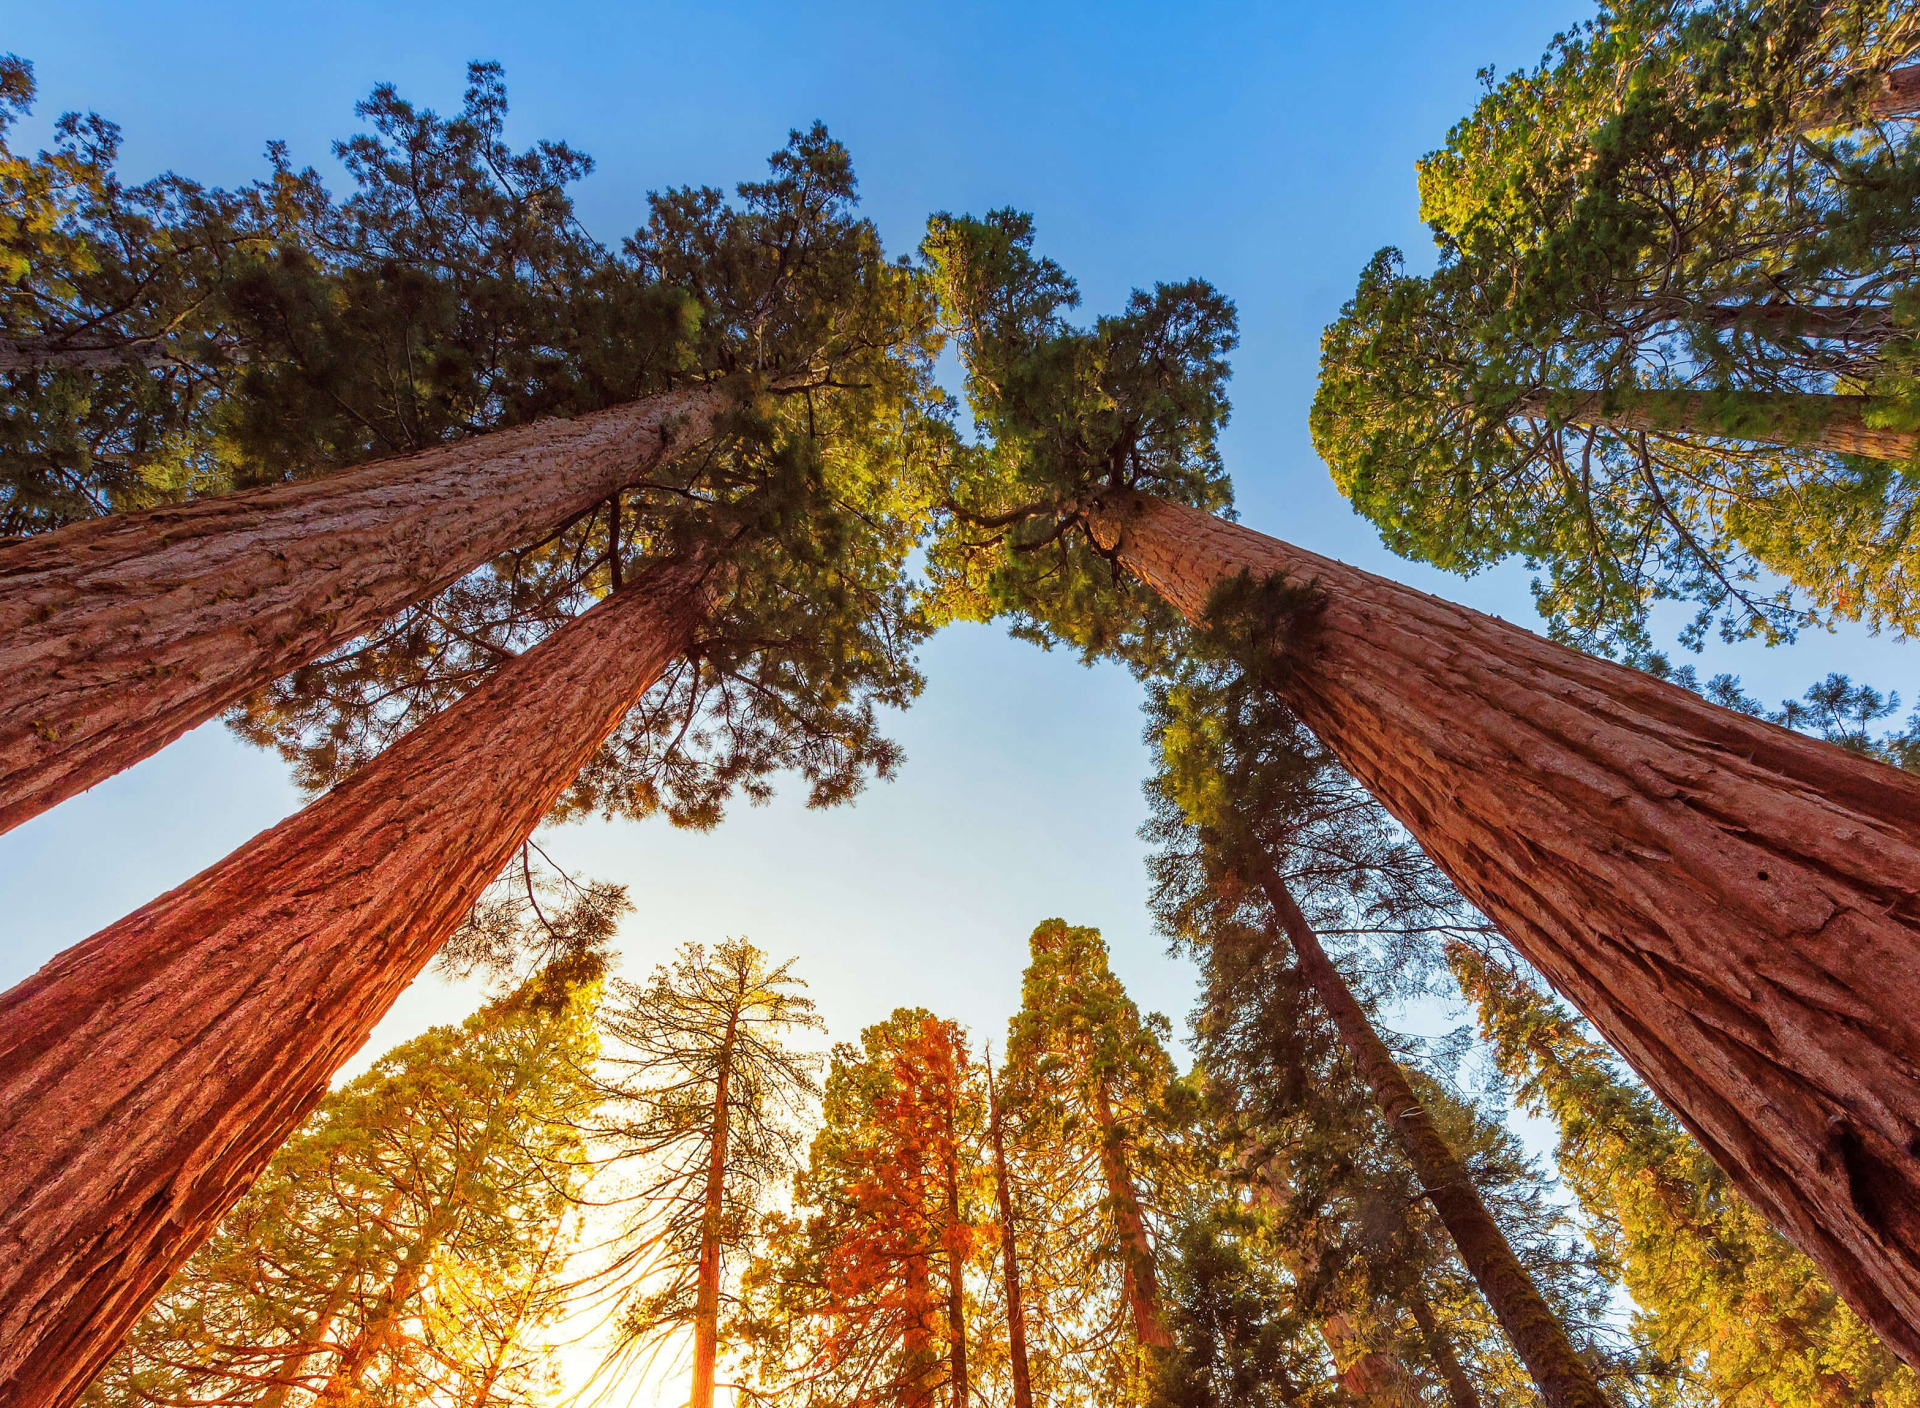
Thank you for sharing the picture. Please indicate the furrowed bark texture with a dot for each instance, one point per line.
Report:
(1732, 904)
(1375, 1377)
(1834, 424)
(119, 634)
(1563, 1378)
(147, 1075)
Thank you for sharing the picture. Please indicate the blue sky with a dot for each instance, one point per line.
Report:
(1268, 148)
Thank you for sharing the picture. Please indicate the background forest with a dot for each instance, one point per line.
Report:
(965, 1158)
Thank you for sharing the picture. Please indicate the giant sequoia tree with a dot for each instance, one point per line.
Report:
(753, 609)
(1730, 903)
(1721, 1296)
(409, 1244)
(1252, 820)
(452, 309)
(1089, 1074)
(1669, 342)
(862, 1294)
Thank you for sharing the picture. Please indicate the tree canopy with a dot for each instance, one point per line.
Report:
(1664, 354)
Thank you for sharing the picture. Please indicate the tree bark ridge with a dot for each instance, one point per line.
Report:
(1735, 906)
(148, 1074)
(119, 634)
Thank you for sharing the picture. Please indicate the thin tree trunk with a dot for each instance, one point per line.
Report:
(956, 1260)
(1832, 424)
(1375, 1377)
(1139, 1282)
(1731, 903)
(19, 354)
(119, 634)
(1541, 1340)
(147, 1075)
(343, 1384)
(1460, 1390)
(706, 1303)
(1009, 1256)
(917, 1342)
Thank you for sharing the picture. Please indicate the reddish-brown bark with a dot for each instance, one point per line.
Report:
(120, 634)
(1375, 1377)
(1899, 95)
(706, 1297)
(1731, 903)
(1009, 1254)
(1139, 1280)
(1833, 424)
(147, 1075)
(1563, 1378)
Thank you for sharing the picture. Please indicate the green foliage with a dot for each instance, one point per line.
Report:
(1236, 1335)
(848, 1301)
(1681, 199)
(1135, 402)
(426, 307)
(1736, 1314)
(407, 1246)
(452, 293)
(698, 1054)
(1241, 785)
(115, 354)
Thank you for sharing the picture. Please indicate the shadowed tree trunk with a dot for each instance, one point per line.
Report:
(1460, 1390)
(1833, 424)
(1899, 94)
(1732, 904)
(1375, 1377)
(147, 1075)
(1009, 1255)
(1538, 1337)
(119, 634)
(1139, 1282)
(706, 1300)
(19, 354)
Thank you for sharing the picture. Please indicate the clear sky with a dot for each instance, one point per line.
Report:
(1266, 147)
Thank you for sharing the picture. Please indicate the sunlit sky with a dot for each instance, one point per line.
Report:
(1268, 148)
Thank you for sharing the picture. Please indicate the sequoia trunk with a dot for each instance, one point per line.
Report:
(706, 1301)
(1538, 1337)
(1731, 903)
(147, 1075)
(1009, 1254)
(1139, 1283)
(1375, 1378)
(1899, 94)
(1834, 424)
(120, 634)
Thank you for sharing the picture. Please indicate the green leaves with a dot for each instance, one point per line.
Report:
(1654, 213)
(1136, 401)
